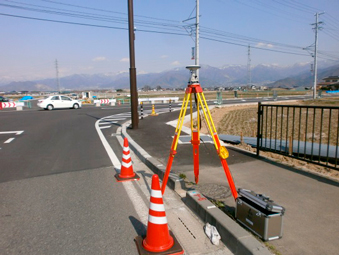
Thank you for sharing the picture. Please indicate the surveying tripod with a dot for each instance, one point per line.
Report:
(194, 89)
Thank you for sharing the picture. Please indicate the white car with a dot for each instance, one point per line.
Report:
(58, 102)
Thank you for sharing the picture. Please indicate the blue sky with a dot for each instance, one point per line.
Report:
(29, 47)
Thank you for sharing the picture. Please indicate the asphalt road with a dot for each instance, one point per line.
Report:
(57, 186)
(58, 194)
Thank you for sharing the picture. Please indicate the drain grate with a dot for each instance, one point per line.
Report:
(187, 228)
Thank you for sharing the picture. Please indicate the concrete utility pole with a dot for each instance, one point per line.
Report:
(57, 75)
(197, 37)
(315, 68)
(132, 69)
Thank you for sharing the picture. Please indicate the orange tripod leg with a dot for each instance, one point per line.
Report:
(196, 142)
(169, 164)
(229, 178)
(168, 170)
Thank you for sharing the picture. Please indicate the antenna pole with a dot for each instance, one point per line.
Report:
(197, 37)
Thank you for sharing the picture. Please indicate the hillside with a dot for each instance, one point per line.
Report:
(305, 79)
(226, 76)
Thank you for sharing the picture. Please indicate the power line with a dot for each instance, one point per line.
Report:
(60, 21)
(172, 29)
(243, 45)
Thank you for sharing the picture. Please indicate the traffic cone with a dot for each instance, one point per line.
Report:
(158, 240)
(126, 173)
(153, 111)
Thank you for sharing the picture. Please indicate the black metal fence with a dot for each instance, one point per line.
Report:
(308, 133)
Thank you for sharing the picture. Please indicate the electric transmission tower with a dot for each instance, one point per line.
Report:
(57, 75)
(249, 77)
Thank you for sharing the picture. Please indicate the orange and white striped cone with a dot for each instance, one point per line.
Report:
(126, 173)
(158, 240)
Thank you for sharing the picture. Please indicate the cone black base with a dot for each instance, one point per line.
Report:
(176, 249)
(134, 178)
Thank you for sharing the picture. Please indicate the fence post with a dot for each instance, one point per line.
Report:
(258, 127)
(290, 147)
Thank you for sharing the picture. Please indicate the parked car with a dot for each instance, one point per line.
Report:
(3, 99)
(58, 102)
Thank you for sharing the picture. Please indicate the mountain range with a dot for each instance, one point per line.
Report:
(226, 76)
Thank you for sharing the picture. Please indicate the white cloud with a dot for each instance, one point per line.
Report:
(164, 56)
(264, 45)
(124, 60)
(142, 72)
(175, 63)
(99, 59)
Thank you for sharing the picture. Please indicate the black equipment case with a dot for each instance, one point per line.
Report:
(259, 214)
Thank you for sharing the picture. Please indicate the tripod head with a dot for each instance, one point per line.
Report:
(194, 77)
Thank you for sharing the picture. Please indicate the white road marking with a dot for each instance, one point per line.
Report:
(123, 115)
(103, 127)
(112, 119)
(11, 132)
(115, 161)
(107, 122)
(9, 140)
(138, 203)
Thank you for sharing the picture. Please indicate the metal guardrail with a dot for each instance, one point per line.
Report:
(308, 133)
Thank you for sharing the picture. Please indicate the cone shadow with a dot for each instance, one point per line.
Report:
(139, 227)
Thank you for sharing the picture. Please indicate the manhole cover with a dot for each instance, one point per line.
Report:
(214, 191)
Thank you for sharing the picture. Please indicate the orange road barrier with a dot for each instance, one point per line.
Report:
(153, 111)
(158, 238)
(126, 173)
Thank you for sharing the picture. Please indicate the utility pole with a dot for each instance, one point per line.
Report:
(132, 69)
(315, 68)
(57, 75)
(249, 78)
(197, 37)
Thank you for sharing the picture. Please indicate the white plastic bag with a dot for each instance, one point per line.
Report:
(212, 233)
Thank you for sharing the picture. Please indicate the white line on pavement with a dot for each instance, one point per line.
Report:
(11, 132)
(9, 140)
(107, 122)
(138, 203)
(115, 118)
(105, 127)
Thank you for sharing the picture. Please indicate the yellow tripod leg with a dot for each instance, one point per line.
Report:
(175, 141)
(222, 152)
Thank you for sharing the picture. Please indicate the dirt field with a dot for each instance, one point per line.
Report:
(237, 120)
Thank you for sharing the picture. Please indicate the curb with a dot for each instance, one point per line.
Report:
(174, 181)
(238, 240)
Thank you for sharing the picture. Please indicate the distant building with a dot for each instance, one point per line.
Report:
(329, 83)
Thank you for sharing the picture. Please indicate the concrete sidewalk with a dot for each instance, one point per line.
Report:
(310, 222)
